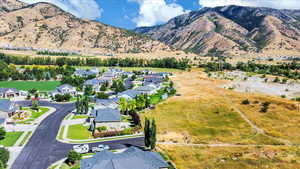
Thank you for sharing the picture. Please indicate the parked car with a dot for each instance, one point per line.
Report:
(100, 147)
(83, 148)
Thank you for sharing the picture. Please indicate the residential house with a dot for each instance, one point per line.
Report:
(64, 89)
(132, 158)
(106, 115)
(107, 103)
(11, 92)
(86, 73)
(153, 79)
(129, 94)
(95, 83)
(128, 83)
(146, 89)
(8, 108)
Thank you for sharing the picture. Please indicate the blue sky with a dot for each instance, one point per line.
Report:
(135, 13)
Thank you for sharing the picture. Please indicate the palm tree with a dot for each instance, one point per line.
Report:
(123, 105)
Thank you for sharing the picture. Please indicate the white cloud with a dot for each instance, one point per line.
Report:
(153, 12)
(81, 8)
(279, 4)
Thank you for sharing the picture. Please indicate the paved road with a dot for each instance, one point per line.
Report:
(43, 149)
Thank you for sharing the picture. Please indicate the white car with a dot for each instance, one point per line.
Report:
(84, 148)
(100, 147)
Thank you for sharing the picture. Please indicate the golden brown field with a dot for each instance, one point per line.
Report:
(205, 115)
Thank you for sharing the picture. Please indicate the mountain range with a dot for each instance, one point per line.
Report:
(46, 26)
(232, 30)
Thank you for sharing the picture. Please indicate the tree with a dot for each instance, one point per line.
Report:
(132, 106)
(2, 165)
(123, 105)
(147, 132)
(265, 107)
(103, 87)
(73, 156)
(88, 90)
(4, 156)
(35, 105)
(153, 135)
(140, 102)
(2, 133)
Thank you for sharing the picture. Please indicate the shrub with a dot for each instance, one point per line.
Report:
(246, 101)
(73, 156)
(102, 128)
(265, 107)
(2, 133)
(4, 156)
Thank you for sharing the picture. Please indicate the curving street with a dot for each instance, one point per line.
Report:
(43, 149)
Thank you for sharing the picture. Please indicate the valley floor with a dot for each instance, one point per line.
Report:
(208, 127)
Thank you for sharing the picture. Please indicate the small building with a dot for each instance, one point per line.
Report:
(129, 94)
(3, 122)
(64, 89)
(8, 108)
(132, 158)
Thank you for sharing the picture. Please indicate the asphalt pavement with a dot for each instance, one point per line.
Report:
(43, 149)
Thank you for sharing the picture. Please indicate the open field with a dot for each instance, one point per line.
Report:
(207, 114)
(268, 157)
(28, 85)
(10, 138)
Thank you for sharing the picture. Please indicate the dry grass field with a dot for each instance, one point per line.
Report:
(206, 114)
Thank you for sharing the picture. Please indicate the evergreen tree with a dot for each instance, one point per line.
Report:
(147, 132)
(153, 135)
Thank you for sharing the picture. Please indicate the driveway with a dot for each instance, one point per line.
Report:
(43, 149)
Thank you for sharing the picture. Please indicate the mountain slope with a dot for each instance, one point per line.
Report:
(46, 26)
(233, 30)
(9, 5)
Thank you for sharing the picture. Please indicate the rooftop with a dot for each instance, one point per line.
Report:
(132, 158)
(106, 115)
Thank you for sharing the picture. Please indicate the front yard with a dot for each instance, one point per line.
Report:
(10, 138)
(28, 85)
(79, 132)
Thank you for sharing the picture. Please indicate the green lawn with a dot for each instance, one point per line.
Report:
(34, 114)
(10, 138)
(65, 166)
(61, 132)
(27, 85)
(79, 132)
(79, 116)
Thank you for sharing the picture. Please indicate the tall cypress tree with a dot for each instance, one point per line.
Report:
(147, 132)
(153, 135)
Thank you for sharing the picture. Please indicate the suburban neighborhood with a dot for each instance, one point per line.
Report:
(104, 106)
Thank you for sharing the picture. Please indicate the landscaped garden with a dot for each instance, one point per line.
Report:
(34, 114)
(28, 85)
(10, 138)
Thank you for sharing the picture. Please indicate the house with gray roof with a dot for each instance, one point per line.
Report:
(8, 108)
(86, 73)
(64, 89)
(96, 83)
(107, 103)
(106, 115)
(153, 79)
(129, 94)
(146, 89)
(132, 158)
(10, 92)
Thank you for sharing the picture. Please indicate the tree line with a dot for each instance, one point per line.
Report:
(85, 61)
(288, 70)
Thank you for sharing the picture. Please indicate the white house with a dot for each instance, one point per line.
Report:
(64, 89)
